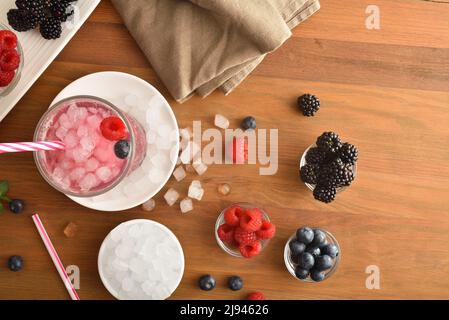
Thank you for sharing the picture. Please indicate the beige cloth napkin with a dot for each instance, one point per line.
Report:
(197, 46)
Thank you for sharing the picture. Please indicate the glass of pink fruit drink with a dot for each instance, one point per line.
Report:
(102, 146)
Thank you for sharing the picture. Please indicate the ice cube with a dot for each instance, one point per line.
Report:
(89, 182)
(189, 152)
(186, 205)
(159, 160)
(67, 164)
(120, 275)
(87, 143)
(155, 175)
(149, 205)
(58, 174)
(221, 121)
(171, 196)
(104, 174)
(70, 230)
(120, 265)
(94, 121)
(82, 131)
(81, 155)
(195, 190)
(92, 164)
(61, 132)
(174, 155)
(77, 174)
(179, 173)
(123, 251)
(148, 287)
(200, 168)
(65, 122)
(117, 234)
(76, 113)
(128, 284)
(135, 231)
(71, 139)
(224, 189)
(137, 266)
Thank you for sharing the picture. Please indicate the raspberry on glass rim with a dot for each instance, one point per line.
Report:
(244, 230)
(11, 60)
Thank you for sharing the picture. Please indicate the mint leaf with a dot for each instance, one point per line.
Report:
(4, 187)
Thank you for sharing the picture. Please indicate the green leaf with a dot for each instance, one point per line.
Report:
(5, 198)
(4, 187)
(1, 208)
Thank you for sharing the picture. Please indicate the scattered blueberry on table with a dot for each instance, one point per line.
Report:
(207, 282)
(235, 283)
(15, 263)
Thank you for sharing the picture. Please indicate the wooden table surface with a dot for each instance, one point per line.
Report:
(384, 90)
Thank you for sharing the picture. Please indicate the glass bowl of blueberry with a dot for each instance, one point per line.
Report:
(243, 230)
(11, 60)
(312, 255)
(328, 166)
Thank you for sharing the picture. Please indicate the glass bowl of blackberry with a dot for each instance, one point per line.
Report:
(312, 254)
(11, 60)
(243, 230)
(328, 166)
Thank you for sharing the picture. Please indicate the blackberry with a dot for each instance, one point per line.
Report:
(336, 174)
(309, 104)
(348, 153)
(60, 10)
(315, 156)
(324, 194)
(21, 20)
(329, 142)
(34, 7)
(51, 28)
(309, 173)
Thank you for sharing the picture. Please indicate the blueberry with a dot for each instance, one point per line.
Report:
(206, 282)
(122, 149)
(306, 261)
(15, 263)
(16, 206)
(331, 250)
(304, 235)
(296, 248)
(235, 283)
(323, 262)
(317, 275)
(314, 251)
(319, 238)
(301, 273)
(249, 123)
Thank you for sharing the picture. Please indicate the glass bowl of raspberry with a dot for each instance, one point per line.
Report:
(11, 60)
(243, 230)
(312, 254)
(103, 145)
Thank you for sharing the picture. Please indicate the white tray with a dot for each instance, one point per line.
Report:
(38, 52)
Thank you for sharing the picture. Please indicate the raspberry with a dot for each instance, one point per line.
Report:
(9, 60)
(256, 296)
(8, 40)
(239, 150)
(251, 249)
(251, 220)
(226, 233)
(244, 237)
(232, 216)
(6, 77)
(266, 231)
(113, 129)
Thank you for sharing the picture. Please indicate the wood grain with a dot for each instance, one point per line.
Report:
(383, 90)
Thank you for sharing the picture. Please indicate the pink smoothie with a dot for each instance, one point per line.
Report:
(88, 164)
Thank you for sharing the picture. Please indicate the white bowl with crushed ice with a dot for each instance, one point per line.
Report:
(141, 260)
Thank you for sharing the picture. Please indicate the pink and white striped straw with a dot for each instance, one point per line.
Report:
(54, 256)
(31, 146)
